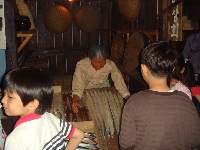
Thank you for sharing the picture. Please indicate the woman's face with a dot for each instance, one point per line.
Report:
(98, 62)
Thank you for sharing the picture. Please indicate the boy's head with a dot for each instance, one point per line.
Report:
(159, 59)
(30, 84)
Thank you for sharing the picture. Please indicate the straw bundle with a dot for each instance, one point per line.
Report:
(88, 18)
(57, 19)
(129, 9)
(117, 49)
(132, 52)
(105, 108)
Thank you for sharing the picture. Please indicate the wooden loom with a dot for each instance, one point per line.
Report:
(99, 118)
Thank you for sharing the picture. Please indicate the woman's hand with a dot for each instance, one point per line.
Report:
(75, 104)
(127, 97)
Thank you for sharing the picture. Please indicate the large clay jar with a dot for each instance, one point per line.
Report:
(129, 9)
(22, 23)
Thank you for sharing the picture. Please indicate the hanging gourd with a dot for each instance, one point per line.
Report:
(57, 19)
(129, 9)
(88, 18)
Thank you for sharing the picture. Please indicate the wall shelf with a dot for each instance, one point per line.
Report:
(25, 38)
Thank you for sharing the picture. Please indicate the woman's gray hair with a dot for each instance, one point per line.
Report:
(97, 51)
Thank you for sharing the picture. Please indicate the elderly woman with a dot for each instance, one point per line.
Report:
(92, 72)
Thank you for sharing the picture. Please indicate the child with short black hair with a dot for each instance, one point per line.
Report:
(28, 93)
(159, 118)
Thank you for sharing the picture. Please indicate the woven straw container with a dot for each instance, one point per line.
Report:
(117, 49)
(88, 18)
(57, 19)
(129, 9)
(132, 52)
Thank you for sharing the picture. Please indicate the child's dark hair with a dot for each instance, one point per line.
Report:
(30, 84)
(188, 75)
(183, 72)
(176, 73)
(159, 58)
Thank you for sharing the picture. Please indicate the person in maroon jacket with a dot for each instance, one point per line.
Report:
(159, 118)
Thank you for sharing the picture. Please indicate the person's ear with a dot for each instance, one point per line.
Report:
(144, 69)
(33, 105)
(182, 70)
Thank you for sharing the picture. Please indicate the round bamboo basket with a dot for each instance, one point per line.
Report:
(132, 52)
(117, 49)
(129, 9)
(88, 18)
(57, 19)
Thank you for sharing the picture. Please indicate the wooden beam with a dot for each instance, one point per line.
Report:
(25, 38)
(170, 7)
(110, 32)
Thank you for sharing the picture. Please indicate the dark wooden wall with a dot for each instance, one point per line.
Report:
(192, 10)
(73, 37)
(76, 42)
(111, 19)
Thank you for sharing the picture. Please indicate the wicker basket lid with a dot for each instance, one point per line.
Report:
(132, 52)
(88, 18)
(129, 9)
(57, 19)
(117, 49)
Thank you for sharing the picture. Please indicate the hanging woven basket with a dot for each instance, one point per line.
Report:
(132, 52)
(88, 18)
(117, 49)
(57, 19)
(129, 9)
